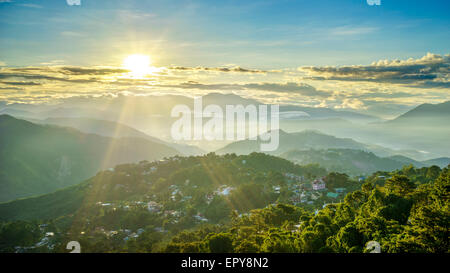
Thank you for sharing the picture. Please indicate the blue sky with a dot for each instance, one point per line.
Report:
(341, 54)
(265, 34)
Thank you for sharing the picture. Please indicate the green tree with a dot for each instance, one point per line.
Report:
(220, 243)
(399, 185)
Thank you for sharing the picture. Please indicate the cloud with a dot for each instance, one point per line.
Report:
(11, 88)
(351, 104)
(389, 95)
(91, 71)
(235, 69)
(69, 74)
(42, 77)
(432, 70)
(354, 87)
(349, 31)
(29, 5)
(135, 15)
(71, 34)
(289, 87)
(20, 83)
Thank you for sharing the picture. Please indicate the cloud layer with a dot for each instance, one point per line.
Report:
(397, 83)
(432, 70)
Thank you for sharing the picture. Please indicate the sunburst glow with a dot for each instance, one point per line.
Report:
(139, 65)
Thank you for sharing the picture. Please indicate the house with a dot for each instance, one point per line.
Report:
(159, 229)
(361, 178)
(111, 233)
(42, 242)
(340, 190)
(318, 184)
(200, 218)
(293, 177)
(276, 189)
(224, 190)
(140, 231)
(315, 195)
(152, 206)
(209, 198)
(151, 170)
(332, 194)
(185, 198)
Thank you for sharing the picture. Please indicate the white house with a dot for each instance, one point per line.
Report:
(318, 184)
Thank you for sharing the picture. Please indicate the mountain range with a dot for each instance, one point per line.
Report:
(37, 159)
(305, 140)
(116, 130)
(357, 162)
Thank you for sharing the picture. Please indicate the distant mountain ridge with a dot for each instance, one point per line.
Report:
(356, 162)
(162, 105)
(115, 129)
(304, 140)
(37, 159)
(426, 112)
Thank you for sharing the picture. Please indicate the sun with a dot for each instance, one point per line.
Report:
(139, 65)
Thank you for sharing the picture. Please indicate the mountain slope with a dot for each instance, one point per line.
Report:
(426, 115)
(304, 140)
(37, 159)
(115, 129)
(441, 162)
(205, 174)
(353, 162)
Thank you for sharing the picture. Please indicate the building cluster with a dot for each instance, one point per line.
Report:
(309, 192)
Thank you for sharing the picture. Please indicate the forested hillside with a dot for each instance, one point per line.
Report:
(38, 159)
(230, 203)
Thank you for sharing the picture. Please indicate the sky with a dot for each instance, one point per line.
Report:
(379, 59)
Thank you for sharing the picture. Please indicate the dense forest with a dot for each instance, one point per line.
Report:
(230, 203)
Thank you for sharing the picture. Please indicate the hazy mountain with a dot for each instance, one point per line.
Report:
(304, 140)
(115, 129)
(326, 113)
(352, 162)
(15, 112)
(421, 133)
(406, 160)
(424, 128)
(134, 111)
(290, 111)
(357, 162)
(426, 115)
(441, 162)
(409, 135)
(36, 159)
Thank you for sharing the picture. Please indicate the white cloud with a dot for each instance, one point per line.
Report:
(349, 31)
(71, 34)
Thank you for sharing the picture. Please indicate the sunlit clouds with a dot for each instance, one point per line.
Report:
(357, 87)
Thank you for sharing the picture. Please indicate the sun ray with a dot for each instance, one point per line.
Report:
(139, 65)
